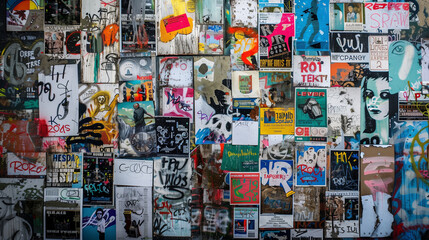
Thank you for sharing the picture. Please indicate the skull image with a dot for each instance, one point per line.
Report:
(220, 126)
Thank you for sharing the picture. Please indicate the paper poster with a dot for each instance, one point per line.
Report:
(58, 100)
(136, 123)
(306, 234)
(310, 114)
(277, 121)
(412, 106)
(172, 192)
(274, 234)
(306, 204)
(22, 16)
(245, 132)
(376, 185)
(245, 109)
(26, 164)
(312, 25)
(381, 16)
(276, 89)
(379, 52)
(136, 91)
(64, 170)
(63, 213)
(62, 42)
(175, 72)
(276, 194)
(344, 74)
(275, 46)
(342, 214)
(245, 222)
(244, 188)
(277, 147)
(98, 222)
(240, 158)
(245, 84)
(346, 16)
(210, 12)
(245, 48)
(98, 178)
(172, 136)
(132, 172)
(211, 39)
(134, 212)
(178, 102)
(350, 47)
(244, 13)
(344, 172)
(311, 165)
(311, 71)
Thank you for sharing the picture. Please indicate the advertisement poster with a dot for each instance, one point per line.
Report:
(344, 173)
(346, 16)
(244, 188)
(279, 121)
(312, 71)
(349, 47)
(275, 41)
(98, 178)
(245, 222)
(379, 52)
(99, 223)
(342, 214)
(311, 120)
(311, 165)
(64, 170)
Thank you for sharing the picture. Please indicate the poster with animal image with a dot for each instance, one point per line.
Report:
(343, 116)
(212, 100)
(246, 222)
(133, 212)
(375, 96)
(376, 186)
(97, 178)
(342, 214)
(99, 222)
(97, 119)
(311, 71)
(312, 25)
(63, 213)
(136, 123)
(276, 89)
(311, 120)
(172, 192)
(344, 74)
(276, 31)
(344, 172)
(311, 165)
(64, 170)
(172, 136)
(21, 208)
(244, 188)
(178, 102)
(131, 172)
(350, 47)
(59, 100)
(276, 194)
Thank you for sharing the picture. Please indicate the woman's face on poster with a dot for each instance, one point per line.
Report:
(377, 98)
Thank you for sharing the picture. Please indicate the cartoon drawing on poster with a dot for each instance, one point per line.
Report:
(133, 212)
(136, 123)
(311, 122)
(172, 136)
(379, 53)
(311, 165)
(98, 178)
(311, 71)
(132, 172)
(178, 102)
(312, 25)
(344, 170)
(245, 222)
(349, 47)
(342, 214)
(245, 48)
(244, 188)
(98, 223)
(64, 170)
(58, 98)
(375, 108)
(275, 46)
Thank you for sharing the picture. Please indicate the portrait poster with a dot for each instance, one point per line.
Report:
(98, 222)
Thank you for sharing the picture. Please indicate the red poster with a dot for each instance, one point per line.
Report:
(244, 188)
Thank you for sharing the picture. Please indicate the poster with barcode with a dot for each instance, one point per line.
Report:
(246, 222)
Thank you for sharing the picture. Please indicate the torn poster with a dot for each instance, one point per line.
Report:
(246, 222)
(98, 178)
(244, 188)
(244, 13)
(306, 234)
(345, 74)
(210, 12)
(344, 172)
(99, 222)
(211, 39)
(311, 120)
(276, 89)
(376, 186)
(26, 164)
(63, 213)
(23, 16)
(62, 42)
(175, 72)
(274, 234)
(64, 170)
(133, 172)
(311, 71)
(244, 53)
(245, 109)
(58, 98)
(178, 102)
(275, 45)
(350, 47)
(306, 204)
(172, 136)
(276, 147)
(277, 121)
(342, 214)
(311, 165)
(134, 212)
(276, 194)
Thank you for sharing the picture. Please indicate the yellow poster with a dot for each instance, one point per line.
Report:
(277, 121)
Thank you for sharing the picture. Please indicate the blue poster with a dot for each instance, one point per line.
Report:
(311, 165)
(98, 223)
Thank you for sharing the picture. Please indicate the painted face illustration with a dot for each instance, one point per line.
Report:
(404, 66)
(376, 95)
